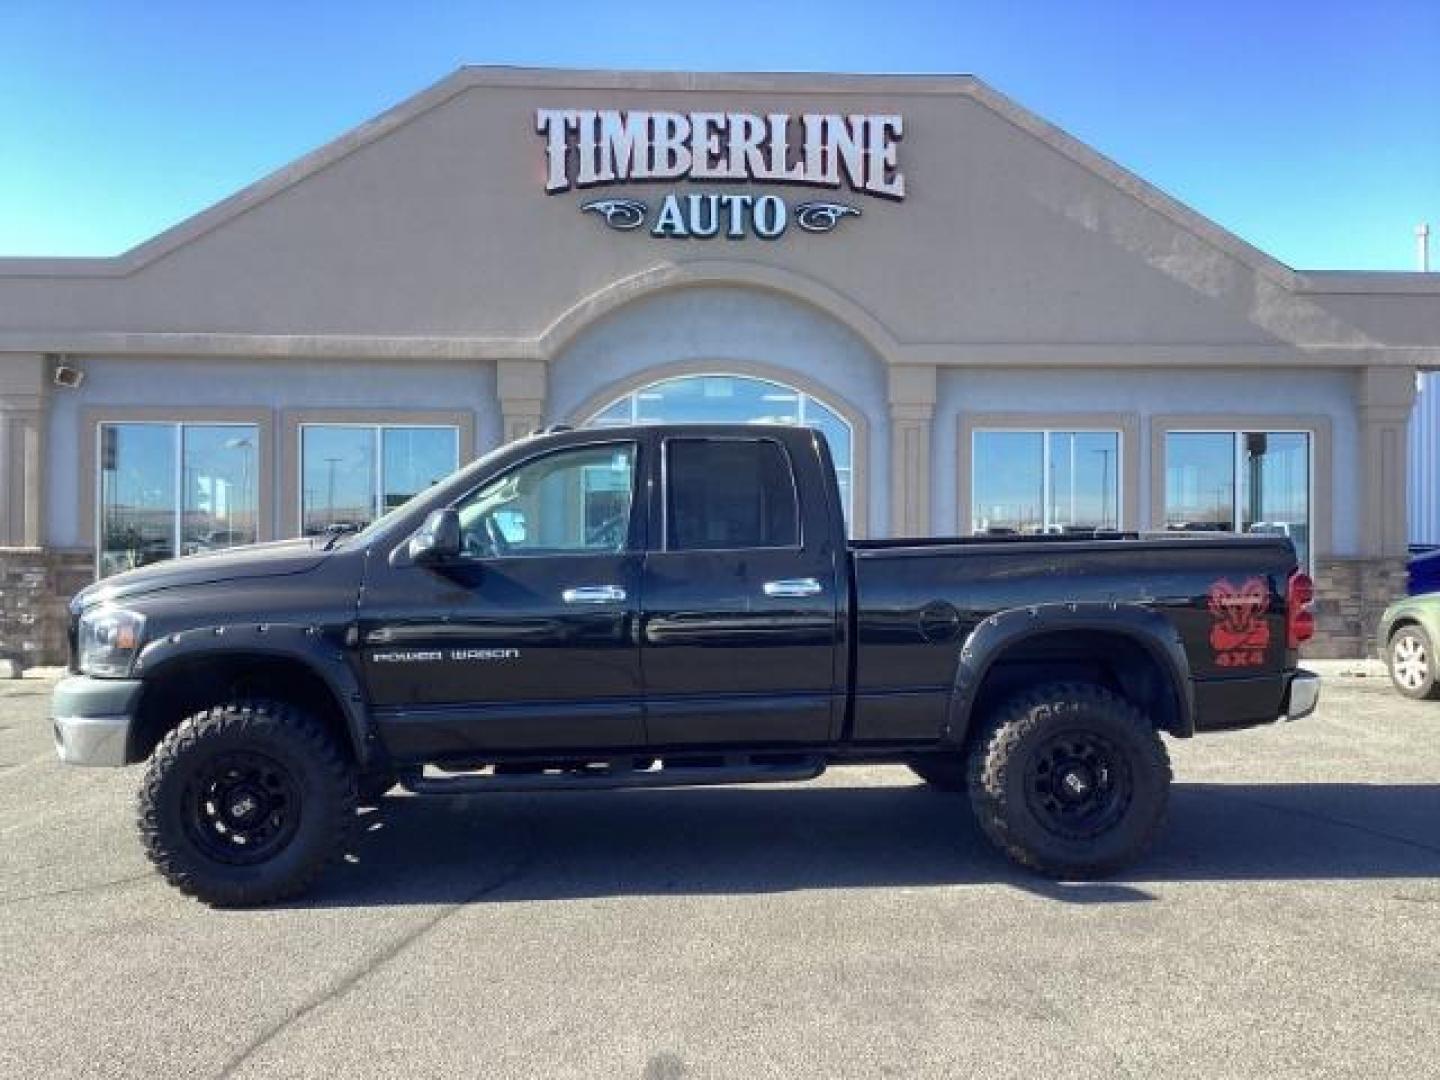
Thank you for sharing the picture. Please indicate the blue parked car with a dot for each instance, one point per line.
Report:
(1424, 573)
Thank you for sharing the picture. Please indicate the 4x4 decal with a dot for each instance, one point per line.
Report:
(1240, 633)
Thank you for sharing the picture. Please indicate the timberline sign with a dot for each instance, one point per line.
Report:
(590, 148)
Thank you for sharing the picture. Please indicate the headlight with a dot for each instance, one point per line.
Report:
(108, 641)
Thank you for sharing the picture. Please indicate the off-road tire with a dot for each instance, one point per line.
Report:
(943, 772)
(1414, 644)
(174, 818)
(1013, 772)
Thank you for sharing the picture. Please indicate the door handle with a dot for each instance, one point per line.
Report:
(800, 586)
(593, 594)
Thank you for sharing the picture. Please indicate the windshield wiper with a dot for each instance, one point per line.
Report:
(335, 531)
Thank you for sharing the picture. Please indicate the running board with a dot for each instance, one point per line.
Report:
(624, 773)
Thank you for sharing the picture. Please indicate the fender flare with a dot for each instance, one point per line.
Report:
(304, 643)
(997, 634)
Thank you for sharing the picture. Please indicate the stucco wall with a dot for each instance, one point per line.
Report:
(294, 385)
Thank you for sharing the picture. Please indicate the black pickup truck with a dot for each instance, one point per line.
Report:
(661, 606)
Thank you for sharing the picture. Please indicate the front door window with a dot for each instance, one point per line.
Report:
(569, 502)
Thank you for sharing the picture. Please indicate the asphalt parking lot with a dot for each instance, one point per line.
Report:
(1288, 924)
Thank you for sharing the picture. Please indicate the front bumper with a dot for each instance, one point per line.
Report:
(1303, 696)
(92, 719)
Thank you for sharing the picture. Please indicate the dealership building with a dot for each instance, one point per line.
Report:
(998, 329)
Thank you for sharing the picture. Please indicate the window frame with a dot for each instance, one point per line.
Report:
(92, 419)
(665, 442)
(632, 543)
(1279, 426)
(377, 429)
(1046, 507)
(289, 471)
(1132, 502)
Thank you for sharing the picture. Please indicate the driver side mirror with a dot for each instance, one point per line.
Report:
(438, 540)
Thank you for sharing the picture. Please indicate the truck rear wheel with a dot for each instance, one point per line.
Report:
(943, 772)
(1070, 779)
(245, 803)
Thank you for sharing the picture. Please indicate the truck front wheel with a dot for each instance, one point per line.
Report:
(246, 803)
(1070, 779)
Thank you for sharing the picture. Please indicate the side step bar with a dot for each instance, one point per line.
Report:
(624, 773)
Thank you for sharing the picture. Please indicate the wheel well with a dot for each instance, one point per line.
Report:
(185, 686)
(1115, 661)
(1398, 625)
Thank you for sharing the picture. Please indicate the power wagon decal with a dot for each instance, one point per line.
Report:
(1240, 633)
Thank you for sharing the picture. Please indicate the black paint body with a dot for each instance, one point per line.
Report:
(895, 653)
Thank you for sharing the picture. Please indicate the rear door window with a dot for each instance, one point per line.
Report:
(723, 494)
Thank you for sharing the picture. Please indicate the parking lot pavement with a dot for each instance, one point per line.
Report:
(1287, 924)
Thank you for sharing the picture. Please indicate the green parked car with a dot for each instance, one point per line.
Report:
(1409, 633)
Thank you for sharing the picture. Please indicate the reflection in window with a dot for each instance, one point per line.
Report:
(736, 399)
(1260, 479)
(168, 488)
(352, 473)
(1026, 482)
(568, 502)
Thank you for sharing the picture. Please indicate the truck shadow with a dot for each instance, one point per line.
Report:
(508, 848)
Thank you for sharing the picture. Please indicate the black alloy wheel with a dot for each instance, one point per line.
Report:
(242, 808)
(1080, 785)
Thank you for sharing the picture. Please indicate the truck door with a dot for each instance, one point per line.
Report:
(740, 627)
(529, 640)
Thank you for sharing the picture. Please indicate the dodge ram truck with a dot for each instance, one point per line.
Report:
(663, 606)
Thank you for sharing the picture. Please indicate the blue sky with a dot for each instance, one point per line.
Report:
(1312, 129)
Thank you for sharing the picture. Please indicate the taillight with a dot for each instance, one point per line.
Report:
(1299, 618)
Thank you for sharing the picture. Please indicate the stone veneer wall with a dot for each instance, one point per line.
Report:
(1350, 594)
(36, 585)
(35, 588)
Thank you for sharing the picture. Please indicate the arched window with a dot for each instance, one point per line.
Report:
(734, 399)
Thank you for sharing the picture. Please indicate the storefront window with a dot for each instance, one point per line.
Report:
(352, 473)
(168, 488)
(1260, 479)
(1045, 481)
(736, 399)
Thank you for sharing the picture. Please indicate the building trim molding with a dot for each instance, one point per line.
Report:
(95, 346)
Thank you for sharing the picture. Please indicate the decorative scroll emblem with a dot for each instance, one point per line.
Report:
(619, 213)
(822, 216)
(1240, 633)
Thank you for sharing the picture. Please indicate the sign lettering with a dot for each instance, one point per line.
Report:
(589, 148)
